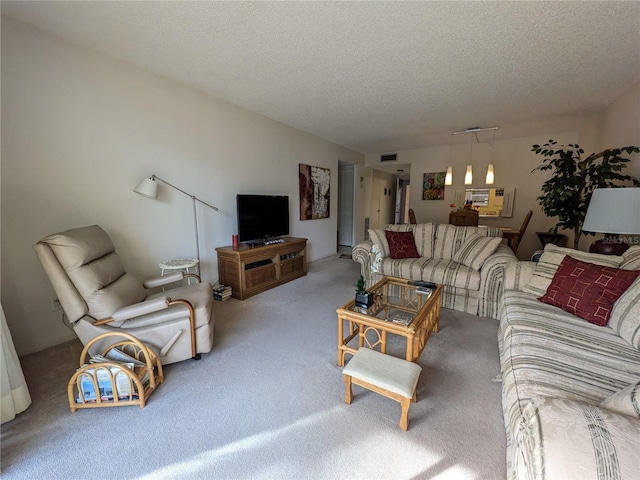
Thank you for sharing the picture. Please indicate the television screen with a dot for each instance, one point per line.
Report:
(262, 216)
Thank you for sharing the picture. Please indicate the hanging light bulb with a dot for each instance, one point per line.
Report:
(489, 179)
(468, 176)
(448, 178)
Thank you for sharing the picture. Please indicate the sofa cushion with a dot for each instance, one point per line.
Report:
(409, 268)
(626, 401)
(587, 290)
(449, 238)
(551, 259)
(378, 237)
(401, 244)
(475, 250)
(625, 316)
(423, 236)
(631, 258)
(561, 438)
(445, 272)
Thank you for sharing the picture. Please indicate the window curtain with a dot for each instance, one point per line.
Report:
(14, 394)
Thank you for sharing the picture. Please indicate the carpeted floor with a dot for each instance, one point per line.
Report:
(268, 402)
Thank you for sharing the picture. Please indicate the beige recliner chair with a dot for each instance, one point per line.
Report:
(98, 295)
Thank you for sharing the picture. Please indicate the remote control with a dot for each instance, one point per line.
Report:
(420, 283)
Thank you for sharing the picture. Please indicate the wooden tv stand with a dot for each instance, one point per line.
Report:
(252, 270)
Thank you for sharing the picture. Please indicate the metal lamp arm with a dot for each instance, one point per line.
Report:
(193, 197)
(195, 216)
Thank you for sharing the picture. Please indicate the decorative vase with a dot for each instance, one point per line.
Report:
(364, 300)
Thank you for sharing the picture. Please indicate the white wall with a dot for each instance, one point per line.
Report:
(80, 130)
(621, 125)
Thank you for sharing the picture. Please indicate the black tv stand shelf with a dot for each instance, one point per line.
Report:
(252, 270)
(259, 263)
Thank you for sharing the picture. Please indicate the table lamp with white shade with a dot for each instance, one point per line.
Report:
(614, 212)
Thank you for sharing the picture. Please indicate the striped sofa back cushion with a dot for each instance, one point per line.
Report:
(449, 238)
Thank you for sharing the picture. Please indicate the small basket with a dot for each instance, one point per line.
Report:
(122, 386)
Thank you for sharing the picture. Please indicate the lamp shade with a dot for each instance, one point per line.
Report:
(448, 178)
(468, 176)
(489, 179)
(147, 187)
(614, 210)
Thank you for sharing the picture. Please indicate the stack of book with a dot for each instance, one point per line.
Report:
(221, 292)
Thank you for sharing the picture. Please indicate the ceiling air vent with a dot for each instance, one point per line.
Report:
(389, 157)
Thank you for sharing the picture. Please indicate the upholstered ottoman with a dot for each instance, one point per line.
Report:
(389, 376)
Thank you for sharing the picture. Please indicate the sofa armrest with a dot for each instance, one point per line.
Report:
(560, 438)
(369, 257)
(492, 280)
(518, 274)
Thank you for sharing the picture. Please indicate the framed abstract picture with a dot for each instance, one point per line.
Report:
(433, 186)
(314, 192)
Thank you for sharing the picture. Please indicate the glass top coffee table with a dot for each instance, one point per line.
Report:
(398, 309)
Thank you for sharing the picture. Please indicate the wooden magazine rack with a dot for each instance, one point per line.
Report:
(118, 375)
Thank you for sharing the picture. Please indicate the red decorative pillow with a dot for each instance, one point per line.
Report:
(587, 290)
(401, 244)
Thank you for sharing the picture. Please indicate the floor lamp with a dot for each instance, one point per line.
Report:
(149, 188)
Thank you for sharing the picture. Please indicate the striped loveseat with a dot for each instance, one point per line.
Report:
(468, 261)
(570, 389)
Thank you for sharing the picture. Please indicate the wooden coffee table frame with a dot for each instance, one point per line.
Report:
(425, 309)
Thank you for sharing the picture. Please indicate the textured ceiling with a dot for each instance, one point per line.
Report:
(372, 76)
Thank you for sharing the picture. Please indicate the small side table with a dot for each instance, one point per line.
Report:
(185, 264)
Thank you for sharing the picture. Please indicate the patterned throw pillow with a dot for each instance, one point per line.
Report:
(475, 250)
(379, 238)
(401, 244)
(550, 260)
(626, 401)
(587, 290)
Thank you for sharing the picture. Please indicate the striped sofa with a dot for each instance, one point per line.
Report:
(469, 268)
(570, 389)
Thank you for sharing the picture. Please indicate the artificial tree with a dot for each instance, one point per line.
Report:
(567, 193)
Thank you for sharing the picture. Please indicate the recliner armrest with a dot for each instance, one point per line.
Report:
(172, 277)
(142, 308)
(164, 280)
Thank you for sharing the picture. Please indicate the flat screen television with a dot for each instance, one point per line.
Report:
(262, 217)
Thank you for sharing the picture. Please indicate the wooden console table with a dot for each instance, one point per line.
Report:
(252, 270)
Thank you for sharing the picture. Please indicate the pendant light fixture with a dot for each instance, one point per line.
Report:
(448, 178)
(489, 178)
(468, 177)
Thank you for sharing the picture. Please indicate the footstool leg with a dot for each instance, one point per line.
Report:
(404, 416)
(348, 394)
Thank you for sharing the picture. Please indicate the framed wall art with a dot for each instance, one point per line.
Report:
(433, 186)
(315, 185)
